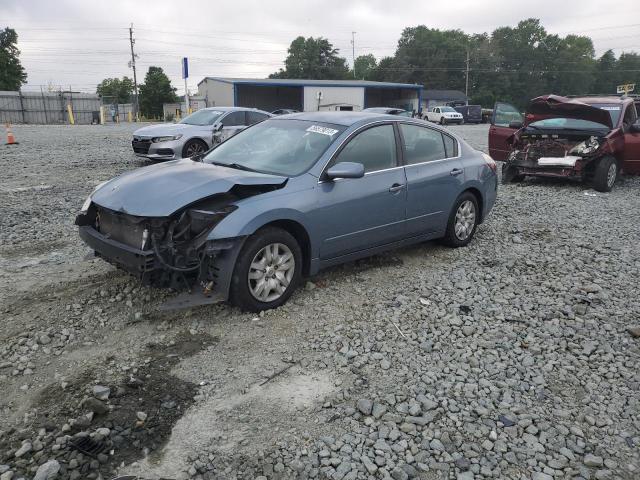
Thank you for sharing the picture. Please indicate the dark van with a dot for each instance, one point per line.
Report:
(470, 113)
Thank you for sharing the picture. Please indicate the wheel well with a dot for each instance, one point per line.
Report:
(476, 193)
(301, 236)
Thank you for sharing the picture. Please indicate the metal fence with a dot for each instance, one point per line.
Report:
(49, 107)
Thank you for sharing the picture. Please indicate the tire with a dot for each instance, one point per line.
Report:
(245, 292)
(194, 147)
(510, 175)
(605, 174)
(442, 121)
(463, 221)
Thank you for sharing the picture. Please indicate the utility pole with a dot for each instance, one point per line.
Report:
(466, 77)
(353, 52)
(135, 78)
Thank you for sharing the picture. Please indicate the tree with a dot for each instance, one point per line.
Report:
(12, 75)
(313, 58)
(605, 71)
(155, 91)
(364, 66)
(116, 90)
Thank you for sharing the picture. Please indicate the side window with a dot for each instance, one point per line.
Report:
(436, 110)
(450, 146)
(422, 144)
(375, 148)
(629, 116)
(255, 117)
(234, 119)
(504, 114)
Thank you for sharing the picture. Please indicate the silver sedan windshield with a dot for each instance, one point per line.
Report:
(281, 147)
(202, 117)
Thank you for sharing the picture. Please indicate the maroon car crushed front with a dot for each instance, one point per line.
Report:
(589, 139)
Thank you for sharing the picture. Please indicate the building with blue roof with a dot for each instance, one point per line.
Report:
(308, 95)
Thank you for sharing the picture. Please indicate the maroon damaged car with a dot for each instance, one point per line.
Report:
(590, 139)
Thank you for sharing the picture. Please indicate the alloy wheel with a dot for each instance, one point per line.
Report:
(465, 220)
(194, 148)
(270, 272)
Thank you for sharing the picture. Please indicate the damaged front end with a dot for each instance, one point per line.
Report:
(552, 155)
(172, 252)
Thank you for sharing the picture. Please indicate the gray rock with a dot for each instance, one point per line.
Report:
(101, 392)
(365, 406)
(23, 450)
(47, 471)
(591, 460)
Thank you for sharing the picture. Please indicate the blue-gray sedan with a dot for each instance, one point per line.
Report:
(285, 198)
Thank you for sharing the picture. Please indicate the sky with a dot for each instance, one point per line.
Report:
(77, 43)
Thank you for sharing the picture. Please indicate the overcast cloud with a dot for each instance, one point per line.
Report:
(78, 43)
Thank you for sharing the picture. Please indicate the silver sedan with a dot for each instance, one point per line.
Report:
(195, 133)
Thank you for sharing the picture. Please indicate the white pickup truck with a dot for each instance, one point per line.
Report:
(444, 115)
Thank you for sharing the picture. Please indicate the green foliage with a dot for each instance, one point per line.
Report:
(364, 67)
(313, 58)
(513, 63)
(155, 91)
(115, 90)
(12, 75)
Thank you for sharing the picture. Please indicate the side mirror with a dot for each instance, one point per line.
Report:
(217, 127)
(635, 127)
(516, 124)
(345, 170)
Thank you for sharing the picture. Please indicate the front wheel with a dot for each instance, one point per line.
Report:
(463, 221)
(193, 147)
(605, 174)
(268, 270)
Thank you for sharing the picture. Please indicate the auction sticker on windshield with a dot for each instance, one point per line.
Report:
(322, 130)
(608, 108)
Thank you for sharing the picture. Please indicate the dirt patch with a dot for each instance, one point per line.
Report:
(69, 425)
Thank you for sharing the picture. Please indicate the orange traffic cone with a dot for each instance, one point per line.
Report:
(11, 139)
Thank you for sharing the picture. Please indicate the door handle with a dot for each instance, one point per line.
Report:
(456, 171)
(396, 187)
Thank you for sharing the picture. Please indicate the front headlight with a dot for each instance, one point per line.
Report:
(166, 138)
(586, 147)
(87, 202)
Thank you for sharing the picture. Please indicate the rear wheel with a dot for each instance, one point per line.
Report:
(605, 174)
(463, 221)
(268, 270)
(193, 147)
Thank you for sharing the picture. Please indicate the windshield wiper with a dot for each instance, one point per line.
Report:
(237, 166)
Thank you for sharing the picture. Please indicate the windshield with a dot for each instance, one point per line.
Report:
(279, 147)
(567, 124)
(202, 117)
(447, 109)
(613, 109)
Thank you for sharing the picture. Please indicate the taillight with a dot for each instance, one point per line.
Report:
(490, 162)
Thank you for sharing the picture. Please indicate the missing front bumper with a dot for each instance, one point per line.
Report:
(207, 286)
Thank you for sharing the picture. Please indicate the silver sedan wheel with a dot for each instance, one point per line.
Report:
(465, 220)
(195, 148)
(611, 175)
(271, 271)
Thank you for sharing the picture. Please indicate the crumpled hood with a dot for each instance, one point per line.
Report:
(161, 189)
(161, 129)
(555, 106)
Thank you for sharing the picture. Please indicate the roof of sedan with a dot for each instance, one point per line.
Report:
(339, 118)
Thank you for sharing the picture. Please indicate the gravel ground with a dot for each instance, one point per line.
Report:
(514, 358)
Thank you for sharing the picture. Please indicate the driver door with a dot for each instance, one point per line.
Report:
(354, 214)
(232, 123)
(500, 131)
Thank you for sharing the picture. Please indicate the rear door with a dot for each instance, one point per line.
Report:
(503, 115)
(435, 177)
